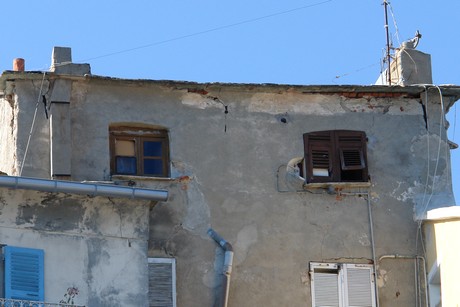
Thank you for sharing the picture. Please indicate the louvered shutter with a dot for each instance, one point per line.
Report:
(162, 282)
(326, 290)
(351, 158)
(319, 156)
(359, 285)
(24, 273)
(351, 147)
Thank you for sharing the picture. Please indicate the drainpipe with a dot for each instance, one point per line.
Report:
(371, 226)
(47, 185)
(228, 262)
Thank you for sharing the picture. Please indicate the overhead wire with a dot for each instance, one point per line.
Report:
(438, 154)
(419, 234)
(32, 124)
(356, 71)
(208, 31)
(394, 23)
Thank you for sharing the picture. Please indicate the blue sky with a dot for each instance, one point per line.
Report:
(288, 42)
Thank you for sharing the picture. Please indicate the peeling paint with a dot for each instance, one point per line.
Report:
(305, 278)
(53, 213)
(198, 214)
(199, 101)
(364, 240)
(382, 278)
(245, 238)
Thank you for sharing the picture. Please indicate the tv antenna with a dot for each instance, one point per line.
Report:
(388, 47)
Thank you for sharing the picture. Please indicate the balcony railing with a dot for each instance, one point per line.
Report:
(21, 303)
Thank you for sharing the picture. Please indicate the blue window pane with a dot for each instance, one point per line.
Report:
(153, 167)
(126, 165)
(152, 149)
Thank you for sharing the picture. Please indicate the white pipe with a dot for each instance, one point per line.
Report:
(416, 257)
(47, 185)
(371, 225)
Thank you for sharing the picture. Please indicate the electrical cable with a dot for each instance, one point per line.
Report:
(208, 31)
(357, 70)
(433, 183)
(394, 23)
(455, 123)
(32, 125)
(441, 125)
(428, 146)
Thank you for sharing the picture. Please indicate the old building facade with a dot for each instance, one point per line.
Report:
(318, 191)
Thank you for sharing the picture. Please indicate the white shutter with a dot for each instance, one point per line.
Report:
(325, 286)
(342, 285)
(326, 290)
(359, 285)
(162, 282)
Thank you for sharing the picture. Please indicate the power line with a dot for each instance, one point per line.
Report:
(356, 71)
(206, 31)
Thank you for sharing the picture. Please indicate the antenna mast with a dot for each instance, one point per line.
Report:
(388, 56)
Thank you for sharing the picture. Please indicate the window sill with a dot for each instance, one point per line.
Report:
(336, 185)
(137, 178)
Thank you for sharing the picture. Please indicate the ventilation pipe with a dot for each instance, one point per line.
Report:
(228, 263)
(60, 186)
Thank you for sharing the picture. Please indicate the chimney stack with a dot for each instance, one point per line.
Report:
(18, 64)
(61, 63)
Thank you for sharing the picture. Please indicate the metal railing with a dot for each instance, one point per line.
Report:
(5, 302)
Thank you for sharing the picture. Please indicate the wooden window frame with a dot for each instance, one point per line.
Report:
(139, 136)
(344, 156)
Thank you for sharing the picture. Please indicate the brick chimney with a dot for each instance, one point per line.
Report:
(18, 64)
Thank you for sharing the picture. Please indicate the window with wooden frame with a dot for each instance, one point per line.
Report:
(336, 156)
(342, 285)
(139, 152)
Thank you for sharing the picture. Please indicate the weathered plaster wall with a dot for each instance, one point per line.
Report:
(224, 169)
(96, 244)
(7, 134)
(37, 163)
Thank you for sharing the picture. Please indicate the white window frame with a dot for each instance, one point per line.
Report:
(172, 262)
(363, 284)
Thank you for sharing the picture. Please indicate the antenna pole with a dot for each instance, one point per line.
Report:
(385, 4)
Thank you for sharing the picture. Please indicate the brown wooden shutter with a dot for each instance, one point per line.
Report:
(335, 156)
(319, 156)
(351, 158)
(351, 147)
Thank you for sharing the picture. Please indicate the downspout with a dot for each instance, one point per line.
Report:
(61, 186)
(371, 226)
(228, 263)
